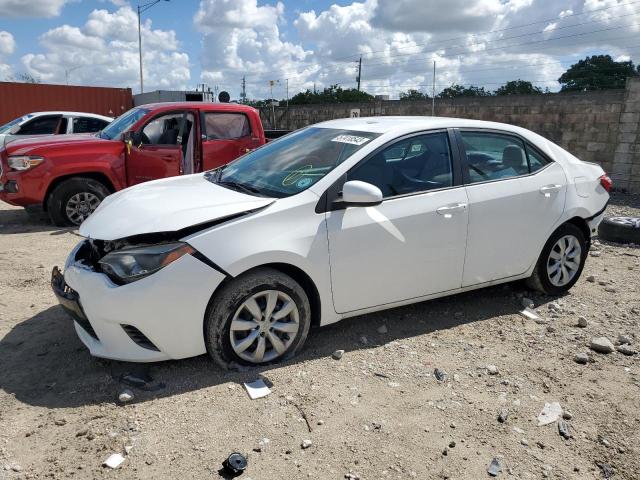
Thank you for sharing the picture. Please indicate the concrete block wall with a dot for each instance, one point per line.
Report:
(601, 127)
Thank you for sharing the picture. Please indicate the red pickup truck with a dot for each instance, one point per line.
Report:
(69, 175)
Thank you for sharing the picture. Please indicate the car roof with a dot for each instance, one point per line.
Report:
(207, 106)
(392, 123)
(71, 114)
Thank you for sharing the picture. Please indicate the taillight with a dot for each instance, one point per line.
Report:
(606, 182)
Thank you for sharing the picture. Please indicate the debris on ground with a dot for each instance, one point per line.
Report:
(494, 467)
(114, 460)
(141, 381)
(549, 414)
(626, 349)
(582, 322)
(601, 345)
(492, 370)
(581, 358)
(125, 396)
(382, 329)
(257, 389)
(503, 415)
(306, 444)
(235, 464)
(440, 375)
(563, 429)
(337, 355)
(532, 315)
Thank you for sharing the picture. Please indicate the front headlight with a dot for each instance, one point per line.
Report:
(131, 264)
(24, 162)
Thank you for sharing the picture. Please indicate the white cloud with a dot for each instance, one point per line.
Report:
(7, 43)
(565, 13)
(457, 16)
(104, 51)
(7, 47)
(31, 8)
(242, 38)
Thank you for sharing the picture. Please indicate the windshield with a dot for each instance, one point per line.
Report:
(7, 126)
(293, 163)
(115, 129)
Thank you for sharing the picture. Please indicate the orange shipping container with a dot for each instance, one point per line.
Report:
(17, 99)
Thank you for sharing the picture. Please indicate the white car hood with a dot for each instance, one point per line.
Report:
(166, 205)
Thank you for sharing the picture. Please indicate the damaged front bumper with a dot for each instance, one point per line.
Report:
(159, 317)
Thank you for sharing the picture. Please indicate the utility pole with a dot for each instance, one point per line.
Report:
(243, 95)
(143, 8)
(287, 127)
(359, 72)
(273, 107)
(433, 92)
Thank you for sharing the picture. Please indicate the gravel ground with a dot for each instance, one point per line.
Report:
(378, 412)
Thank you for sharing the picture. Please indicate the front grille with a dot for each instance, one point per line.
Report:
(139, 338)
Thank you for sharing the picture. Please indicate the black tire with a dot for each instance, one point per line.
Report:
(62, 193)
(620, 229)
(540, 280)
(227, 301)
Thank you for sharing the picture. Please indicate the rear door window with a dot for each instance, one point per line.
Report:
(493, 156)
(226, 126)
(88, 124)
(536, 159)
(45, 125)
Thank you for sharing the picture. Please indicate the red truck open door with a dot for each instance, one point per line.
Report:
(157, 150)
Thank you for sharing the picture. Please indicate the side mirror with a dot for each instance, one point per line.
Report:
(357, 193)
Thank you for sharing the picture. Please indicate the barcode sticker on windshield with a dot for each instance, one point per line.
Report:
(352, 139)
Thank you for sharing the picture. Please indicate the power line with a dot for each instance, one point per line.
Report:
(493, 31)
(374, 77)
(430, 55)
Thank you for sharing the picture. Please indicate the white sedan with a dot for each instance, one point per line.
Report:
(52, 123)
(334, 220)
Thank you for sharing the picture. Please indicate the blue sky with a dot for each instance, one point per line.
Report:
(484, 42)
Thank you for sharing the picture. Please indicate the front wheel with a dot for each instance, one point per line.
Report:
(561, 261)
(258, 318)
(73, 200)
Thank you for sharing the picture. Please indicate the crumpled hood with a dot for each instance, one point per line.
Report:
(166, 205)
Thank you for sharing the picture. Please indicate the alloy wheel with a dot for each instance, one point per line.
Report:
(564, 260)
(80, 206)
(264, 326)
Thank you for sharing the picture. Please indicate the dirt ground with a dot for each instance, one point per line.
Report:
(377, 413)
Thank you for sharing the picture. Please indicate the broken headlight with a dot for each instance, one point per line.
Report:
(133, 263)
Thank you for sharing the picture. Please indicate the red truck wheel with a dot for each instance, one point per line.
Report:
(71, 202)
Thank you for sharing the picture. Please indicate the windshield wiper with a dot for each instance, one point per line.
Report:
(240, 186)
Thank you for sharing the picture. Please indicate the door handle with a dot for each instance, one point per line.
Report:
(447, 210)
(548, 189)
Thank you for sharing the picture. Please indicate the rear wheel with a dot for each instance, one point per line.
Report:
(561, 261)
(73, 200)
(258, 318)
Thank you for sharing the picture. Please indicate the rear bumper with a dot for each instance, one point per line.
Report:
(156, 318)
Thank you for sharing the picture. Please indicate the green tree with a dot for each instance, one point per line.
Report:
(331, 94)
(23, 78)
(598, 72)
(519, 87)
(413, 94)
(456, 91)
